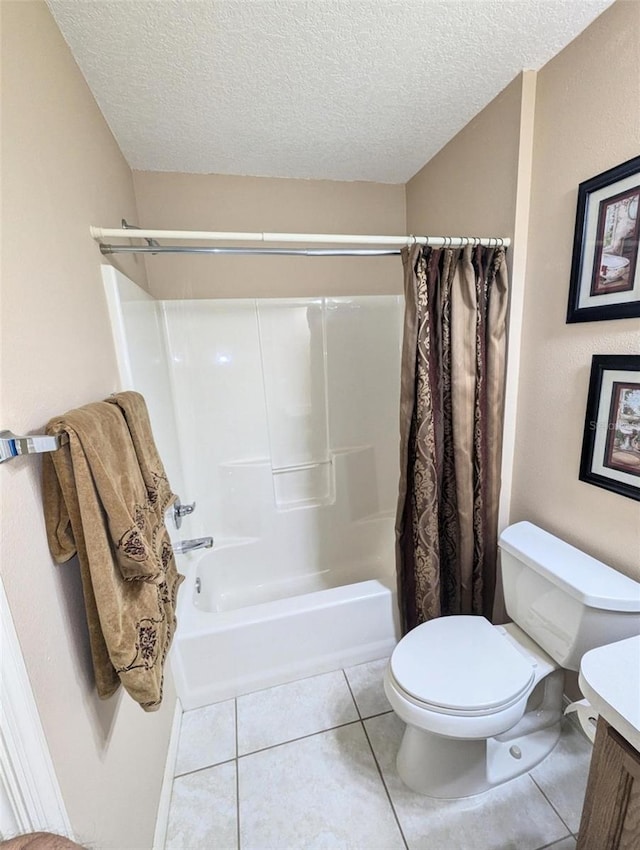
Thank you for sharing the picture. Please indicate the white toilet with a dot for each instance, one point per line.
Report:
(483, 703)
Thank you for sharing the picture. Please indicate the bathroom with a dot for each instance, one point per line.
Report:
(516, 159)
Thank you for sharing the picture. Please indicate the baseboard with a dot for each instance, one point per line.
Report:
(162, 819)
(32, 799)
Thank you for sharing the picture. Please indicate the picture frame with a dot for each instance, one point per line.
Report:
(605, 265)
(611, 441)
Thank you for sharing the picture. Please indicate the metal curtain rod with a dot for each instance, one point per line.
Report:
(285, 252)
(99, 233)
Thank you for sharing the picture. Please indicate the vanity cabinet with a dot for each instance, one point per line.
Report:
(611, 813)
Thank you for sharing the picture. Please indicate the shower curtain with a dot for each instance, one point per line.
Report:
(451, 414)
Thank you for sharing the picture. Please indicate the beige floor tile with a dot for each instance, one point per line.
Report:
(318, 793)
(562, 776)
(514, 816)
(203, 812)
(207, 737)
(285, 712)
(366, 683)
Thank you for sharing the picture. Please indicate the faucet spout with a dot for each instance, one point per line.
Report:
(184, 546)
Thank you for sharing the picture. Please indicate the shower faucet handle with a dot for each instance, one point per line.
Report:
(180, 511)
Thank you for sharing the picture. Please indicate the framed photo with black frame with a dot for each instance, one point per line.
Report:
(605, 268)
(611, 441)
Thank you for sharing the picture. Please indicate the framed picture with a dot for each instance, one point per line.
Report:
(605, 271)
(611, 443)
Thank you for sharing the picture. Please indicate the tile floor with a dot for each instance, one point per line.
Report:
(311, 766)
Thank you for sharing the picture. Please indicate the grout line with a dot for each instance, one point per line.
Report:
(554, 843)
(355, 702)
(379, 714)
(279, 744)
(384, 785)
(379, 769)
(235, 706)
(200, 769)
(299, 738)
(570, 831)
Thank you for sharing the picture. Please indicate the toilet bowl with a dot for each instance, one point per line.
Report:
(487, 687)
(483, 703)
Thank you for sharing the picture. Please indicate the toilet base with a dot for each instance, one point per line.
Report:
(449, 768)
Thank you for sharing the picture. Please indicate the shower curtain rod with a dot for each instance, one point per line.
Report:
(129, 232)
(284, 252)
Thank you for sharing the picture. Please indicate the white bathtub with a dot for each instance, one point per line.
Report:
(222, 654)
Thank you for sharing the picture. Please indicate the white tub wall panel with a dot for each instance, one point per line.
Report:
(356, 481)
(364, 337)
(243, 501)
(292, 339)
(293, 542)
(305, 487)
(143, 361)
(217, 374)
(293, 545)
(235, 574)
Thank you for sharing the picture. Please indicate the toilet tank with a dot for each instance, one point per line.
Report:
(564, 599)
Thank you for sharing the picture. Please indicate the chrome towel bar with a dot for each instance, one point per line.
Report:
(11, 445)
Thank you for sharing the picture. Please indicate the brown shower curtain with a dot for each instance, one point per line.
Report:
(451, 413)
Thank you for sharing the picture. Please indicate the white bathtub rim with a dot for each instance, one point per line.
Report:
(194, 622)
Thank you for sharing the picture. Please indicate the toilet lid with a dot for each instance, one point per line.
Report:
(462, 664)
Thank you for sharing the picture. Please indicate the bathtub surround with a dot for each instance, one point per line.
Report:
(285, 416)
(105, 495)
(451, 416)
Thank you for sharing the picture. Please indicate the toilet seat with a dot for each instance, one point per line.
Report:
(462, 666)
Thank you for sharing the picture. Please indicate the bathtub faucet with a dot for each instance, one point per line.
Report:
(183, 546)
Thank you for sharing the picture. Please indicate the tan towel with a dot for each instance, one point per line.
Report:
(105, 494)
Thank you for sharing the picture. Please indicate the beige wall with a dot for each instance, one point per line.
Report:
(62, 171)
(216, 202)
(587, 120)
(478, 184)
(469, 187)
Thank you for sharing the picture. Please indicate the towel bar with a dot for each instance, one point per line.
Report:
(11, 445)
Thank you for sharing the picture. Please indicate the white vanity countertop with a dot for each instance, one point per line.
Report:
(610, 680)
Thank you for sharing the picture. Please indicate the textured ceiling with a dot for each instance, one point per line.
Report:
(336, 89)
